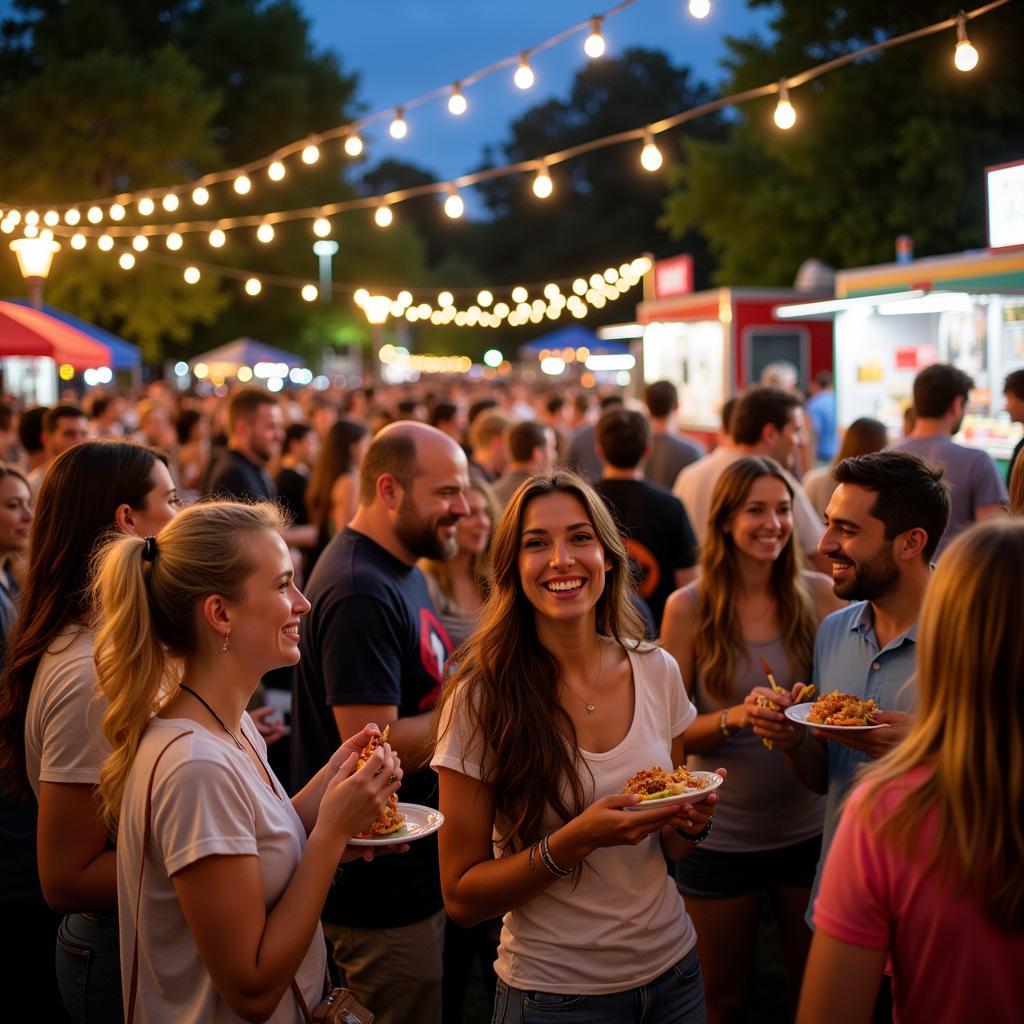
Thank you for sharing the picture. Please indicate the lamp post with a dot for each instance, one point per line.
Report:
(376, 308)
(325, 249)
(34, 258)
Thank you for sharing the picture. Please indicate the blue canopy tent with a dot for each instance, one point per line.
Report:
(123, 354)
(574, 336)
(227, 359)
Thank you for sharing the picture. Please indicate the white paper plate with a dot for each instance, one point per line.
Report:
(420, 821)
(798, 713)
(689, 796)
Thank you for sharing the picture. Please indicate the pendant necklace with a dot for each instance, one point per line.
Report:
(591, 708)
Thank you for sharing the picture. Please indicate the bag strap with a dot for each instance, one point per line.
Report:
(302, 1002)
(147, 829)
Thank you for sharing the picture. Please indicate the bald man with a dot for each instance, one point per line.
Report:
(374, 651)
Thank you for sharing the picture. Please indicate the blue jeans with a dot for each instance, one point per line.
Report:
(89, 968)
(675, 997)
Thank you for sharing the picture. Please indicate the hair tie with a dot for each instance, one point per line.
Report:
(149, 551)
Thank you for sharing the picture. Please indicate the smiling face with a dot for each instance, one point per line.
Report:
(434, 501)
(763, 525)
(473, 530)
(562, 563)
(863, 565)
(15, 515)
(793, 434)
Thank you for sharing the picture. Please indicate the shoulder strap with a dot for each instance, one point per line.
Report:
(134, 985)
(302, 1002)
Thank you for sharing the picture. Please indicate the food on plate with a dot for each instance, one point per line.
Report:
(655, 783)
(391, 818)
(837, 708)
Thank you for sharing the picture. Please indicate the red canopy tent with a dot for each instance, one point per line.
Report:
(28, 332)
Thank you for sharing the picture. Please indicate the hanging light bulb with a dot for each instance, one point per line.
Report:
(275, 172)
(966, 56)
(51, 218)
(785, 114)
(95, 215)
(310, 153)
(650, 156)
(321, 227)
(200, 196)
(170, 202)
(140, 243)
(14, 216)
(146, 206)
(242, 184)
(524, 76)
(191, 275)
(126, 261)
(265, 233)
(173, 241)
(253, 286)
(117, 212)
(104, 243)
(594, 47)
(78, 240)
(542, 184)
(457, 104)
(217, 238)
(399, 129)
(383, 216)
(454, 207)
(353, 144)
(700, 9)
(310, 292)
(31, 231)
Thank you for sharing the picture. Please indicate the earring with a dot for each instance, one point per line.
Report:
(227, 636)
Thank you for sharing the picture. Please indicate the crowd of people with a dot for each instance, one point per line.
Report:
(235, 626)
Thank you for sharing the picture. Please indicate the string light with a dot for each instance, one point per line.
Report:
(321, 227)
(265, 233)
(594, 45)
(445, 299)
(485, 298)
(310, 292)
(242, 184)
(31, 231)
(650, 156)
(146, 206)
(310, 153)
(191, 275)
(174, 241)
(32, 217)
(253, 286)
(383, 216)
(94, 215)
(117, 212)
(785, 113)
(454, 207)
(170, 202)
(200, 196)
(104, 243)
(275, 172)
(542, 184)
(126, 261)
(353, 144)
(524, 76)
(78, 240)
(457, 104)
(140, 243)
(217, 238)
(399, 129)
(51, 218)
(72, 216)
(699, 9)
(966, 56)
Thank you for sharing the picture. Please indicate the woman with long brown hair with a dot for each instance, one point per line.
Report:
(926, 871)
(861, 437)
(51, 747)
(753, 602)
(554, 704)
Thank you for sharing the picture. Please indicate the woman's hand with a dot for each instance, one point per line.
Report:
(766, 709)
(606, 822)
(353, 745)
(691, 818)
(268, 723)
(352, 799)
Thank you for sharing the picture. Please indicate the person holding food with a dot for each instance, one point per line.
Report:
(554, 706)
(220, 877)
(926, 870)
(753, 605)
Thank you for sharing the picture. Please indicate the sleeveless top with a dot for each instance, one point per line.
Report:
(763, 806)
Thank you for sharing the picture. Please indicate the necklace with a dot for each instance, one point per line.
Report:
(220, 721)
(591, 708)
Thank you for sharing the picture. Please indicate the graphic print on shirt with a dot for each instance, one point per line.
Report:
(643, 567)
(435, 646)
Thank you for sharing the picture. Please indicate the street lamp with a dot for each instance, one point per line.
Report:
(376, 308)
(34, 258)
(325, 249)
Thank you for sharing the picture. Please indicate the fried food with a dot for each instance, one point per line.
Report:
(391, 818)
(837, 708)
(655, 783)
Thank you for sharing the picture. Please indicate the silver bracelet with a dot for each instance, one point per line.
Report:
(549, 862)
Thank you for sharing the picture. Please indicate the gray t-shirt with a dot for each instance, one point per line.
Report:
(972, 474)
(670, 455)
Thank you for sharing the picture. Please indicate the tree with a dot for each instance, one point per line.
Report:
(893, 144)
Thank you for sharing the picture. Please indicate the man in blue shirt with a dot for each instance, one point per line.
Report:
(821, 411)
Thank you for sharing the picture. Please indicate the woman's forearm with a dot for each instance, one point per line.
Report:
(705, 733)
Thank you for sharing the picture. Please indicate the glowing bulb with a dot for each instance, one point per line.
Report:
(217, 238)
(310, 292)
(126, 261)
(485, 298)
(253, 286)
(275, 172)
(310, 153)
(140, 243)
(265, 233)
(785, 114)
(383, 215)
(14, 217)
(242, 184)
(520, 295)
(353, 144)
(173, 241)
(170, 202)
(200, 196)
(52, 218)
(399, 129)
(105, 243)
(95, 215)
(404, 298)
(542, 185)
(116, 212)
(457, 104)
(524, 76)
(191, 275)
(146, 206)
(32, 217)
(966, 56)
(31, 231)
(78, 240)
(360, 296)
(700, 9)
(594, 45)
(321, 227)
(454, 207)
(650, 155)
(445, 299)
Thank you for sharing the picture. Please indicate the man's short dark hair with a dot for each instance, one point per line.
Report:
(443, 412)
(728, 408)
(1014, 383)
(30, 429)
(60, 412)
(758, 408)
(100, 404)
(554, 405)
(407, 408)
(523, 437)
(661, 398)
(936, 387)
(391, 453)
(296, 432)
(246, 404)
(910, 492)
(623, 435)
(823, 378)
(611, 402)
(481, 405)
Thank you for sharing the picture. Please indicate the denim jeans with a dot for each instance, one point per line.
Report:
(675, 997)
(89, 968)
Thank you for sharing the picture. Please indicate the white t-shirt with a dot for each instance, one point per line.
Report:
(208, 799)
(625, 923)
(64, 741)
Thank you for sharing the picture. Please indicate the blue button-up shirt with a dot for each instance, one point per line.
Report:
(847, 659)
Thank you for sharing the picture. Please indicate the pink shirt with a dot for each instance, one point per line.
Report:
(948, 961)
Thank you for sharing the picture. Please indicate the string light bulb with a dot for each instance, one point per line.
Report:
(94, 216)
(321, 227)
(398, 129)
(217, 238)
(785, 113)
(699, 9)
(104, 243)
(275, 172)
(383, 216)
(174, 241)
(126, 261)
(140, 243)
(51, 218)
(524, 76)
(253, 286)
(966, 56)
(454, 207)
(594, 46)
(117, 212)
(32, 217)
(78, 240)
(310, 153)
(310, 292)
(650, 156)
(353, 144)
(242, 184)
(170, 202)
(191, 275)
(542, 184)
(146, 206)
(457, 104)
(265, 233)
(200, 196)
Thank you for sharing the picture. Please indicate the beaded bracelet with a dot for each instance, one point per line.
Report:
(533, 857)
(699, 837)
(549, 862)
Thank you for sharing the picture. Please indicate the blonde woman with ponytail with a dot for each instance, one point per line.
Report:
(234, 874)
(926, 870)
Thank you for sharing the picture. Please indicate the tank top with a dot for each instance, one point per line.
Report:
(763, 806)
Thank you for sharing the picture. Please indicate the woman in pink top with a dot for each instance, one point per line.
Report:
(927, 867)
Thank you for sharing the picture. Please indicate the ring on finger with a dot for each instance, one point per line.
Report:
(378, 771)
(392, 779)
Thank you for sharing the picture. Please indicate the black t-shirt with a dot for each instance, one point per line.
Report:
(371, 637)
(235, 478)
(1017, 448)
(659, 538)
(291, 490)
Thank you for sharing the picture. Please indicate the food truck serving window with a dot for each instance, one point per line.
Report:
(784, 344)
(1004, 185)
